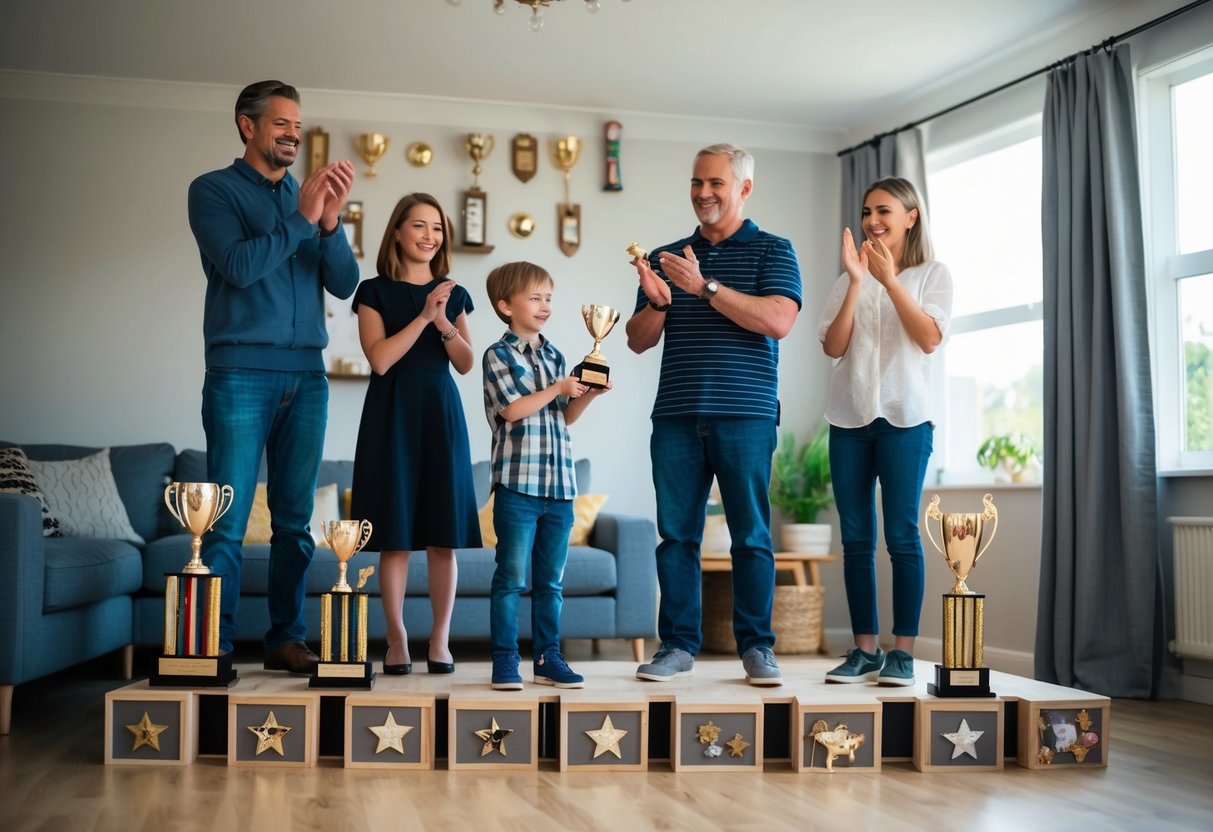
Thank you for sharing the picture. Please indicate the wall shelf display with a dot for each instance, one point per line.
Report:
(351, 223)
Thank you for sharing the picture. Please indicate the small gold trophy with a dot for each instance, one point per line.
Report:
(962, 672)
(371, 147)
(191, 597)
(349, 668)
(599, 320)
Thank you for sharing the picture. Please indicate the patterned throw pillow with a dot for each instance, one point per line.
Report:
(83, 495)
(16, 477)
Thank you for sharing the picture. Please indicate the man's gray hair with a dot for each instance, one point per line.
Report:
(742, 162)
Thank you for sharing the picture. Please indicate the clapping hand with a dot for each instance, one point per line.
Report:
(436, 300)
(683, 271)
(340, 179)
(655, 288)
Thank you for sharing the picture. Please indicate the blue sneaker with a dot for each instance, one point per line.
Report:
(505, 671)
(898, 669)
(551, 669)
(761, 667)
(859, 667)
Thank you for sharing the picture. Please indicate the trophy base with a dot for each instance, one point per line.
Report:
(343, 675)
(592, 374)
(194, 672)
(957, 682)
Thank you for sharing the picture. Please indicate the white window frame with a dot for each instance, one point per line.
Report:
(1165, 267)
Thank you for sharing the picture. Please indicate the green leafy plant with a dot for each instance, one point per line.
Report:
(800, 476)
(1013, 451)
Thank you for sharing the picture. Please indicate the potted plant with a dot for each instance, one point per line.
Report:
(800, 488)
(1011, 456)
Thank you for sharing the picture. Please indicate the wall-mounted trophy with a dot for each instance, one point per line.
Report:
(593, 370)
(613, 181)
(524, 156)
(962, 534)
(475, 201)
(317, 149)
(565, 153)
(192, 596)
(371, 147)
(343, 613)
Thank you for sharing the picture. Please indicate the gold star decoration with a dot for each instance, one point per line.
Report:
(494, 738)
(390, 734)
(737, 746)
(607, 738)
(963, 739)
(146, 733)
(708, 733)
(270, 734)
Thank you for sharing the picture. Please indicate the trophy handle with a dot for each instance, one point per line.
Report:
(990, 513)
(170, 499)
(933, 513)
(365, 537)
(227, 495)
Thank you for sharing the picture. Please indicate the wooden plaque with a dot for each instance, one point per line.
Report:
(524, 156)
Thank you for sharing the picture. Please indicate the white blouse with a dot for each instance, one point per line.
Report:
(884, 373)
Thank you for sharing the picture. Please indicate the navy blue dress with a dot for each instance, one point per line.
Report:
(412, 466)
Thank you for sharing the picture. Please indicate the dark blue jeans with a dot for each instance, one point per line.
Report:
(245, 413)
(535, 531)
(898, 458)
(687, 452)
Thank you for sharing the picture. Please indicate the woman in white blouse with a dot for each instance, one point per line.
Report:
(885, 316)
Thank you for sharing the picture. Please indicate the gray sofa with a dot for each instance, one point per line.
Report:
(69, 599)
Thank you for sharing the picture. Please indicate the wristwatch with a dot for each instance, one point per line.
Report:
(709, 290)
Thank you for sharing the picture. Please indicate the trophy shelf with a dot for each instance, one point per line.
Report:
(485, 249)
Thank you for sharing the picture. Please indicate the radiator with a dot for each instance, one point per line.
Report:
(1193, 550)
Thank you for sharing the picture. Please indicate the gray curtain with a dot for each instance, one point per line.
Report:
(896, 155)
(1099, 616)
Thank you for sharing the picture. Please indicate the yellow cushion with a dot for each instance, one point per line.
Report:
(324, 509)
(585, 512)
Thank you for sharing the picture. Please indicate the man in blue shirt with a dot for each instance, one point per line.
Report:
(270, 248)
(723, 298)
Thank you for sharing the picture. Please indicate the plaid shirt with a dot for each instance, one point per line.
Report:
(533, 455)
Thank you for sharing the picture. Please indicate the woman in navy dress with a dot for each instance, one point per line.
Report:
(412, 467)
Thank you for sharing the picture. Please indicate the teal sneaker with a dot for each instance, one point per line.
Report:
(859, 667)
(898, 669)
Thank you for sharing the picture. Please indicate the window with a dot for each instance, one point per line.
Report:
(985, 224)
(1177, 120)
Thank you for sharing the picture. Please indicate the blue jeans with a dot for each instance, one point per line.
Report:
(535, 531)
(245, 413)
(898, 458)
(687, 452)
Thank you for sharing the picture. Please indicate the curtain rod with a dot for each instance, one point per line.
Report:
(1106, 44)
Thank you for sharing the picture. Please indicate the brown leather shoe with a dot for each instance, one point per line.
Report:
(293, 656)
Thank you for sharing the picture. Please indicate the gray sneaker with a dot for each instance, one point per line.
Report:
(669, 663)
(761, 667)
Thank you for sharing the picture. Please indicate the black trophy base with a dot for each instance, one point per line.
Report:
(592, 374)
(194, 672)
(343, 675)
(960, 682)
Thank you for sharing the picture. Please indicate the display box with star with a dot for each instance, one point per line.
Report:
(833, 737)
(150, 727)
(500, 732)
(389, 731)
(273, 731)
(1064, 734)
(716, 736)
(958, 734)
(598, 735)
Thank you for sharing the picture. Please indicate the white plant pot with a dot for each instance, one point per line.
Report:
(807, 538)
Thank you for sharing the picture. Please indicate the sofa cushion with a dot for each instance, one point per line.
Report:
(83, 495)
(85, 570)
(17, 477)
(589, 571)
(140, 471)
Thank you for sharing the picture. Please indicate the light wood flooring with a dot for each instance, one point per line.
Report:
(1159, 776)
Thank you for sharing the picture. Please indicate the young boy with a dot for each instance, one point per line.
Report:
(529, 403)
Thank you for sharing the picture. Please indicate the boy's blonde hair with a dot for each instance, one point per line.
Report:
(510, 279)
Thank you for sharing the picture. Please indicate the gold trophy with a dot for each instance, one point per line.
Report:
(475, 201)
(371, 147)
(599, 320)
(962, 672)
(349, 667)
(565, 153)
(192, 597)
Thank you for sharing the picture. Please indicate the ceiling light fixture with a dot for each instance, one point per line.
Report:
(537, 7)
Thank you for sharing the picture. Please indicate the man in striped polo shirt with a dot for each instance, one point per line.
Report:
(723, 297)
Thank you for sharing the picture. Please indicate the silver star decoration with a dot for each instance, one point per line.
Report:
(390, 734)
(963, 740)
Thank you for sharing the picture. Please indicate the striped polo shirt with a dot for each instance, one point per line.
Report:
(710, 366)
(533, 455)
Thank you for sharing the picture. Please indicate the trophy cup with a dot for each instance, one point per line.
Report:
(371, 147)
(349, 668)
(475, 201)
(191, 597)
(565, 153)
(593, 370)
(962, 672)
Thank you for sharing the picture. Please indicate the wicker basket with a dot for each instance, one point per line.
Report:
(795, 617)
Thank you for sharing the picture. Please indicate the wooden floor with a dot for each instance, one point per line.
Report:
(1159, 775)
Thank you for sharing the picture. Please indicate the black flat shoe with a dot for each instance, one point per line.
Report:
(398, 669)
(437, 667)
